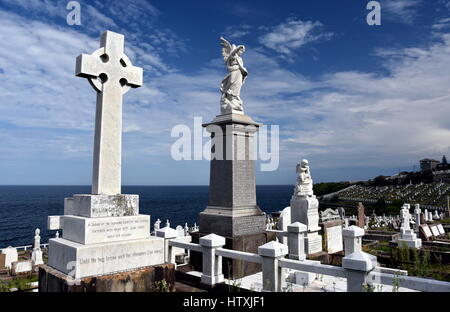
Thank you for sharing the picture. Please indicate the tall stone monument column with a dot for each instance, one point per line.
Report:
(232, 209)
(103, 232)
(305, 208)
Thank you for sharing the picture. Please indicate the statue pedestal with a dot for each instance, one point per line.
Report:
(305, 209)
(232, 210)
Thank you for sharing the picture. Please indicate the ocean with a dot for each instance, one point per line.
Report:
(25, 208)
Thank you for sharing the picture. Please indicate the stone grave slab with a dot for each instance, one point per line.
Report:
(434, 230)
(334, 241)
(441, 229)
(21, 267)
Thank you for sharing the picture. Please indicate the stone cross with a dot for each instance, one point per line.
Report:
(111, 74)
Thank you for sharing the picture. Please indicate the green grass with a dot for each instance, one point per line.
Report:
(20, 283)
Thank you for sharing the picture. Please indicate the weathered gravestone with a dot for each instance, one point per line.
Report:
(21, 267)
(11, 256)
(103, 232)
(425, 232)
(434, 230)
(2, 262)
(331, 224)
(361, 221)
(441, 229)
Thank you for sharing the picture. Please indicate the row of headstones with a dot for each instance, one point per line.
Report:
(181, 231)
(9, 258)
(433, 192)
(383, 221)
(433, 230)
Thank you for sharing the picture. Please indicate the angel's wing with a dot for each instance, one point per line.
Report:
(227, 48)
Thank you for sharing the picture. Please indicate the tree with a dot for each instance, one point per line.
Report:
(444, 160)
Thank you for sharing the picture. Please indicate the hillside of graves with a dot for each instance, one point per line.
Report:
(432, 195)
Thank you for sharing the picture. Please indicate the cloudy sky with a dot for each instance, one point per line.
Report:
(355, 100)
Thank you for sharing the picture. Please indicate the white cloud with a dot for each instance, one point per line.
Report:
(237, 31)
(341, 119)
(441, 24)
(288, 36)
(403, 11)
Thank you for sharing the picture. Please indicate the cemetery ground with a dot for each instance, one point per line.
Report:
(20, 282)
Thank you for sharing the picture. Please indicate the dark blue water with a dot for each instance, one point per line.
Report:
(25, 208)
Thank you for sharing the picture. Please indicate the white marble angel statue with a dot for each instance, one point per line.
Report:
(232, 83)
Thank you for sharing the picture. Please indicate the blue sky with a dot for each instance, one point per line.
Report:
(355, 100)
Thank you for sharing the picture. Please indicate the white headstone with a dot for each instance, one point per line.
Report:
(441, 229)
(21, 267)
(334, 239)
(11, 256)
(436, 215)
(180, 231)
(36, 255)
(434, 230)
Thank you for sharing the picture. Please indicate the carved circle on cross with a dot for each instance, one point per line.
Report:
(97, 82)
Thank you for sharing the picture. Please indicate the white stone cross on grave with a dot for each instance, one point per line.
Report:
(111, 74)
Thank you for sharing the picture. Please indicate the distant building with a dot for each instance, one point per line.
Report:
(443, 165)
(428, 164)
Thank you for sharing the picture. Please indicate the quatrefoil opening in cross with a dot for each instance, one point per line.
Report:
(109, 66)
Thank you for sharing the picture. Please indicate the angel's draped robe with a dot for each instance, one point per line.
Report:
(232, 83)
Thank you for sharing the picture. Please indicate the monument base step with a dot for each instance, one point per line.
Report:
(141, 280)
(234, 269)
(81, 261)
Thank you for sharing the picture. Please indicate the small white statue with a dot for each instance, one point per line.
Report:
(186, 229)
(167, 223)
(304, 186)
(37, 240)
(232, 83)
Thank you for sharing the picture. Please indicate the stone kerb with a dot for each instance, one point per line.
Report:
(212, 263)
(272, 275)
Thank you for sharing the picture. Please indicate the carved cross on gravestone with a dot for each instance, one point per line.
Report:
(111, 74)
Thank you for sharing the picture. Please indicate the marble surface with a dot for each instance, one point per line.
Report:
(111, 74)
(79, 260)
(101, 230)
